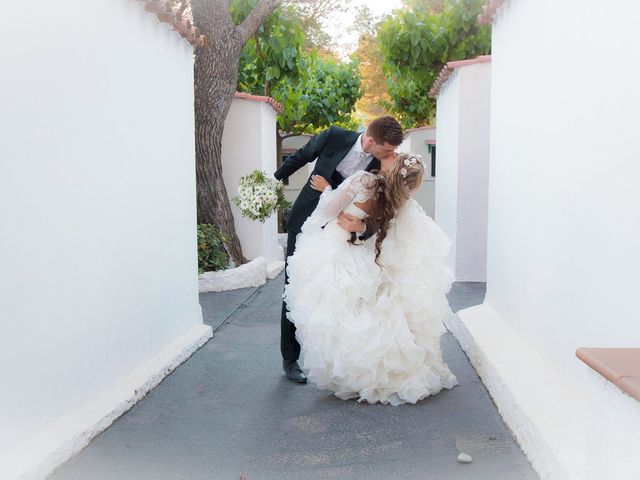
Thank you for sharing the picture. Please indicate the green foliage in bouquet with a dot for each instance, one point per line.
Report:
(212, 255)
(260, 196)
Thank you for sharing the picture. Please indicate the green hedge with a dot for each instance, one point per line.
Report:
(212, 254)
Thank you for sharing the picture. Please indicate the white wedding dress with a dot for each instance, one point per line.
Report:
(368, 332)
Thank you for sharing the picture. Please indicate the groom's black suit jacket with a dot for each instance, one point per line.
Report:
(329, 147)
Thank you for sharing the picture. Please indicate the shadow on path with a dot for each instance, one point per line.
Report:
(229, 411)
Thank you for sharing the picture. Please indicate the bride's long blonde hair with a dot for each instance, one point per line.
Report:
(391, 189)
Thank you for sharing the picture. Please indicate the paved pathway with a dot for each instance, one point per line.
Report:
(229, 412)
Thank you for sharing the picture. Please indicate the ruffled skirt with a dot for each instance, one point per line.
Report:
(370, 332)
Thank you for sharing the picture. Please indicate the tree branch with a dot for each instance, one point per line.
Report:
(262, 56)
(282, 137)
(250, 24)
(295, 133)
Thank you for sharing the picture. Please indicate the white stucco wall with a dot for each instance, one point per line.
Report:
(563, 228)
(249, 143)
(564, 222)
(473, 174)
(613, 430)
(462, 168)
(416, 141)
(448, 147)
(98, 213)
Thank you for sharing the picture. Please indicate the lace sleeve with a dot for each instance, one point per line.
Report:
(356, 188)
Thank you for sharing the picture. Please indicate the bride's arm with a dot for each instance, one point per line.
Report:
(332, 202)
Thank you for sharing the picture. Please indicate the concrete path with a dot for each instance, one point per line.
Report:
(229, 413)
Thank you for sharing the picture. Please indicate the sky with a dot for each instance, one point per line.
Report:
(338, 26)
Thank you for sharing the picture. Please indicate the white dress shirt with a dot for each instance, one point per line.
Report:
(356, 159)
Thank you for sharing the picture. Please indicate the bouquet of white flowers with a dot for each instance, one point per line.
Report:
(259, 196)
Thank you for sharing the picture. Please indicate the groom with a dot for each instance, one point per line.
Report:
(339, 153)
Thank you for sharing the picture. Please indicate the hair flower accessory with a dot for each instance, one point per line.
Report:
(403, 172)
(413, 159)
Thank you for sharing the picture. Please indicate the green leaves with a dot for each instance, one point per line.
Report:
(415, 38)
(273, 72)
(416, 45)
(325, 94)
(315, 91)
(212, 254)
(273, 54)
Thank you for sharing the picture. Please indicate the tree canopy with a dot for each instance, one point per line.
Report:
(325, 95)
(315, 89)
(373, 102)
(273, 54)
(312, 15)
(417, 43)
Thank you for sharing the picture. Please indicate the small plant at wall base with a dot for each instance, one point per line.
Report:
(212, 254)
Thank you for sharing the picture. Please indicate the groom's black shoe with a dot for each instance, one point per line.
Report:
(293, 371)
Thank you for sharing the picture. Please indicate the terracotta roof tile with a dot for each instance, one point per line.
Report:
(258, 98)
(448, 69)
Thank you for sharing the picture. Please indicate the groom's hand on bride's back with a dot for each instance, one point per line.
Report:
(351, 224)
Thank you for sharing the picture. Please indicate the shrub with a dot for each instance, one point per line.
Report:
(212, 254)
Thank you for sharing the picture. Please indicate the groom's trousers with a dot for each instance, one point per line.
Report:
(289, 346)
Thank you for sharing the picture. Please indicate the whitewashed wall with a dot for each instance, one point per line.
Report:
(249, 143)
(98, 284)
(462, 168)
(448, 147)
(416, 141)
(564, 223)
(613, 430)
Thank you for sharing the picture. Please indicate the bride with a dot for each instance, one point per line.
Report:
(369, 316)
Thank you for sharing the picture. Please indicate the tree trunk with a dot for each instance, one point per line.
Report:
(281, 219)
(216, 79)
(216, 76)
(279, 140)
